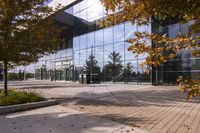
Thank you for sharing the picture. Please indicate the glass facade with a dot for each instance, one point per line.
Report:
(104, 52)
(184, 63)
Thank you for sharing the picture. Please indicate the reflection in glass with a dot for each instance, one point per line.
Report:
(108, 49)
(83, 56)
(99, 53)
(76, 43)
(99, 37)
(119, 33)
(119, 47)
(90, 40)
(113, 68)
(83, 42)
(108, 35)
(129, 30)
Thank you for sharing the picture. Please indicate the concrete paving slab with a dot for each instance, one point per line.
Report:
(59, 119)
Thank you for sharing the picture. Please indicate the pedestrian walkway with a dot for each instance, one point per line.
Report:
(59, 119)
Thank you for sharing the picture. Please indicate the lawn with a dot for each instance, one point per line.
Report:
(19, 97)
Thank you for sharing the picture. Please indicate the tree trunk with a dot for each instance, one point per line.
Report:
(5, 77)
(24, 73)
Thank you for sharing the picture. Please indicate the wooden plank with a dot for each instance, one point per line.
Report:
(178, 123)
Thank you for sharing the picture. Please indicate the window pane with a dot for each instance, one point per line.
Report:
(108, 35)
(83, 43)
(76, 8)
(83, 5)
(98, 10)
(129, 30)
(76, 58)
(99, 54)
(99, 37)
(119, 48)
(83, 14)
(128, 54)
(108, 49)
(90, 39)
(173, 30)
(90, 13)
(83, 56)
(76, 43)
(119, 33)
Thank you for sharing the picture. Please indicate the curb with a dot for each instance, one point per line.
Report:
(26, 106)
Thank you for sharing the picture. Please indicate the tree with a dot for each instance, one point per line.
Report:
(92, 66)
(27, 32)
(160, 12)
(127, 72)
(114, 66)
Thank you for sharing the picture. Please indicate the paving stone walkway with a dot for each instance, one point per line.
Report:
(157, 109)
(59, 119)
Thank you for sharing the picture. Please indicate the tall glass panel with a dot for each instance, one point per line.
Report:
(128, 54)
(173, 30)
(99, 54)
(98, 12)
(90, 13)
(76, 58)
(90, 40)
(130, 30)
(99, 37)
(119, 33)
(76, 43)
(119, 48)
(83, 56)
(83, 15)
(76, 8)
(108, 49)
(108, 35)
(82, 4)
(83, 42)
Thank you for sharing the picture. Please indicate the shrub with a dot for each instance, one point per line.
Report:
(19, 97)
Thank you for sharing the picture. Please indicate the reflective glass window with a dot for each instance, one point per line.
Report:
(83, 42)
(69, 10)
(108, 35)
(76, 58)
(76, 43)
(130, 30)
(76, 8)
(119, 48)
(91, 2)
(82, 14)
(90, 13)
(99, 53)
(90, 39)
(83, 5)
(173, 30)
(119, 33)
(63, 53)
(145, 28)
(83, 56)
(98, 12)
(134, 65)
(128, 54)
(90, 51)
(99, 37)
(108, 49)
(58, 54)
(69, 52)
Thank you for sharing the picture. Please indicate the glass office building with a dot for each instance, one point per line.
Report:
(104, 52)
